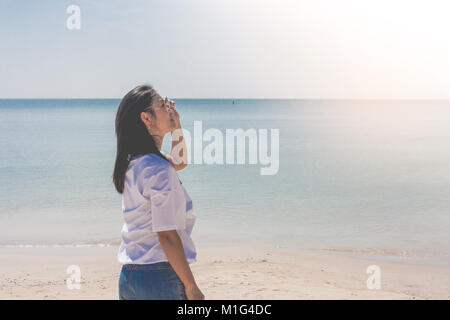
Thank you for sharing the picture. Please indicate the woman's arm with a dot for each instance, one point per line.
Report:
(173, 248)
(178, 154)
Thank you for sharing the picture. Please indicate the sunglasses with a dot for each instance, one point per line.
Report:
(168, 102)
(165, 103)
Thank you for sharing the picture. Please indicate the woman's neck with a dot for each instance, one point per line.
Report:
(158, 141)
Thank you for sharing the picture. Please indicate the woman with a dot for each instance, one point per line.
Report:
(156, 246)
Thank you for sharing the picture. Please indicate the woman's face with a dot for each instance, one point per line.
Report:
(162, 122)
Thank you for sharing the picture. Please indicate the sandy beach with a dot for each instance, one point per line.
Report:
(222, 273)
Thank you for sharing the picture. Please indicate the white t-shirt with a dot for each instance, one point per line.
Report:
(153, 200)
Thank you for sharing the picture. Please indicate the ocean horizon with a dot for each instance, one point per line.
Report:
(355, 176)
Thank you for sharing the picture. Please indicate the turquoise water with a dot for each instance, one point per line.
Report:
(354, 176)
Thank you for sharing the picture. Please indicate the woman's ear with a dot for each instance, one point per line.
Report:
(146, 119)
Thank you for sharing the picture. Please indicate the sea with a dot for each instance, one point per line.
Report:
(367, 178)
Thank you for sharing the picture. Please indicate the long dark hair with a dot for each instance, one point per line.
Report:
(132, 136)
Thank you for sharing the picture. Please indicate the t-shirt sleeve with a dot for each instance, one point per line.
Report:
(168, 205)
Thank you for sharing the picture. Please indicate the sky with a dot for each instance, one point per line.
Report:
(279, 49)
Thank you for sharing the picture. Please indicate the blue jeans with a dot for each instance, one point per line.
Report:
(156, 281)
